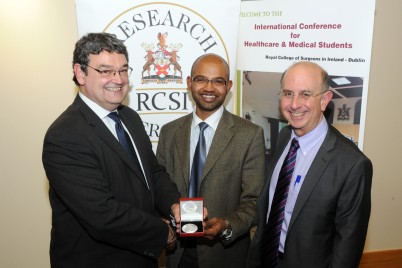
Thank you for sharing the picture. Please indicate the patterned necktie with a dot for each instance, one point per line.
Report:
(272, 230)
(124, 138)
(198, 162)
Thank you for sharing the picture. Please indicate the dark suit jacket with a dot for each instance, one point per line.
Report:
(231, 182)
(103, 214)
(329, 222)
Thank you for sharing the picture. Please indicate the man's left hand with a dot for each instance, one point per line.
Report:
(214, 227)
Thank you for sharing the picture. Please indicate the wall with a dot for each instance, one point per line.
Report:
(36, 47)
(382, 141)
(37, 41)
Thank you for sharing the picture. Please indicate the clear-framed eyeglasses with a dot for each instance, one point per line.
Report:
(302, 96)
(202, 81)
(108, 73)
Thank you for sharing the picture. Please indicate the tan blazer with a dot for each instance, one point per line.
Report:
(232, 180)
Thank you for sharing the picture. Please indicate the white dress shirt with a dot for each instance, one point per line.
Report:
(209, 132)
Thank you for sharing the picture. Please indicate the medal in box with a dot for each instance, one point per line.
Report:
(191, 216)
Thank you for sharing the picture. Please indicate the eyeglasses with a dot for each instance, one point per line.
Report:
(124, 73)
(303, 96)
(203, 81)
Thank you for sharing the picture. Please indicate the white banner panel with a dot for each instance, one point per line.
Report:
(164, 39)
(335, 34)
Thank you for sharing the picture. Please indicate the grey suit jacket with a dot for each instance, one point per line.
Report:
(231, 182)
(103, 213)
(329, 223)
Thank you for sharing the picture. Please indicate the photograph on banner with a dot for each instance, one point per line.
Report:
(163, 40)
(273, 35)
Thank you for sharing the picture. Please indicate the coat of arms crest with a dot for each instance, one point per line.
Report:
(162, 63)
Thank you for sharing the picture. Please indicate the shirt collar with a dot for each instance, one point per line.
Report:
(98, 110)
(212, 120)
(317, 135)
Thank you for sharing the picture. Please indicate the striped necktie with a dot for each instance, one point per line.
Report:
(272, 230)
(198, 162)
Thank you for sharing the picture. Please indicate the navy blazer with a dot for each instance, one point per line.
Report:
(103, 213)
(329, 222)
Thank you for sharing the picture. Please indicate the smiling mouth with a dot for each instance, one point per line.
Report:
(113, 89)
(297, 114)
(208, 97)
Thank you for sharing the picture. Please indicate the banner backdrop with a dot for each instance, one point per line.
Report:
(335, 34)
(164, 39)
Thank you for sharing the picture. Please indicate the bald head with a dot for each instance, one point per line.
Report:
(209, 84)
(210, 58)
(307, 96)
(309, 67)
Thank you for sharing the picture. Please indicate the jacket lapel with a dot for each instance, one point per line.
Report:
(221, 139)
(134, 128)
(182, 147)
(281, 145)
(104, 133)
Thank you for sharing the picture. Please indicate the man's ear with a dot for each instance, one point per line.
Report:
(326, 99)
(189, 83)
(229, 86)
(79, 74)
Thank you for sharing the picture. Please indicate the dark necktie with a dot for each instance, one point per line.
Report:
(272, 230)
(124, 138)
(198, 162)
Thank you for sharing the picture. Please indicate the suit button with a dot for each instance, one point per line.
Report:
(150, 254)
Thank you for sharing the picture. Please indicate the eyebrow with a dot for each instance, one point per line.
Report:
(218, 77)
(110, 66)
(303, 90)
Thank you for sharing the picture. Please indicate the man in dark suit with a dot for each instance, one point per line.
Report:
(105, 202)
(326, 213)
(231, 178)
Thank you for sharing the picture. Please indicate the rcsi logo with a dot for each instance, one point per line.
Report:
(161, 64)
(163, 40)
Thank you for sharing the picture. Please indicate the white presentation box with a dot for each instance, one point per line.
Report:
(191, 215)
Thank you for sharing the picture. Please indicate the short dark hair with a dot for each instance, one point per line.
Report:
(95, 43)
